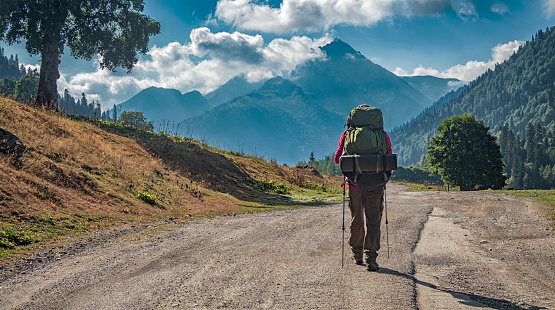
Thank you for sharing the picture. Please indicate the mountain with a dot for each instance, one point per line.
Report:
(345, 78)
(287, 119)
(161, 105)
(278, 120)
(235, 87)
(518, 92)
(433, 87)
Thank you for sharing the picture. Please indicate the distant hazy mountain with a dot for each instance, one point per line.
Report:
(277, 120)
(237, 86)
(161, 105)
(433, 87)
(345, 79)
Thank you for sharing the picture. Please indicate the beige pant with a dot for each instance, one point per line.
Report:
(365, 204)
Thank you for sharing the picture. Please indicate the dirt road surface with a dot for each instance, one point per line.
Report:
(448, 250)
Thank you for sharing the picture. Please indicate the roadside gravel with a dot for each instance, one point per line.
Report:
(447, 251)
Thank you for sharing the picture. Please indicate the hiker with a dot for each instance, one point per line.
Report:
(366, 198)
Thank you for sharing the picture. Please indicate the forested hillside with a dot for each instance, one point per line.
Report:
(10, 67)
(519, 93)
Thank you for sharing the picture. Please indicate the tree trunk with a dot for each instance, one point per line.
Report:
(47, 93)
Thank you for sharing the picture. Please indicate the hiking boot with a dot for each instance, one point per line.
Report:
(371, 262)
(357, 256)
(358, 261)
(372, 265)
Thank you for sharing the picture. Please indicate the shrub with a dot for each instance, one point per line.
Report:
(146, 197)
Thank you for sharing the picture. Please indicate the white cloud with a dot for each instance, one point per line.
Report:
(301, 15)
(206, 62)
(294, 16)
(465, 9)
(499, 8)
(226, 46)
(550, 8)
(472, 69)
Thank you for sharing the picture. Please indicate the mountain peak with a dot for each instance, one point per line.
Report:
(280, 86)
(338, 49)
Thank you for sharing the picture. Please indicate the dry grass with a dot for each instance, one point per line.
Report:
(78, 175)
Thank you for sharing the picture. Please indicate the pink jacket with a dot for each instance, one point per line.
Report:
(339, 151)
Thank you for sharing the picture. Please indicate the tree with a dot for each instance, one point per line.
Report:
(26, 87)
(135, 119)
(7, 86)
(465, 154)
(114, 29)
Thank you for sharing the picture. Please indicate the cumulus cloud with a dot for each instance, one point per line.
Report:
(228, 46)
(294, 16)
(472, 69)
(206, 62)
(301, 15)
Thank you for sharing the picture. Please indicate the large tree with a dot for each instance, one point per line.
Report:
(114, 29)
(466, 154)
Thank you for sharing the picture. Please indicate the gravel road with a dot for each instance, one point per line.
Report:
(453, 250)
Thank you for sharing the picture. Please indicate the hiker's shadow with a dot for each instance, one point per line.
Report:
(485, 301)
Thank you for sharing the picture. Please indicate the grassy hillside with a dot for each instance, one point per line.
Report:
(80, 175)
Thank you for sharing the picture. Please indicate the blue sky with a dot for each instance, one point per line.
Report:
(204, 43)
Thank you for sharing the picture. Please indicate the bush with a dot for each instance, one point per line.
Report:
(270, 186)
(10, 238)
(146, 197)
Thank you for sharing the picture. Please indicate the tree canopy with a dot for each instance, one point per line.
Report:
(466, 155)
(114, 29)
(135, 119)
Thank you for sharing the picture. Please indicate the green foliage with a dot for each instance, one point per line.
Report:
(311, 158)
(135, 119)
(114, 29)
(415, 174)
(81, 107)
(325, 166)
(26, 87)
(518, 92)
(146, 197)
(271, 186)
(10, 238)
(316, 186)
(328, 166)
(466, 155)
(10, 67)
(529, 163)
(24, 90)
(7, 87)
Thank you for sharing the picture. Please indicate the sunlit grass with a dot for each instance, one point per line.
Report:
(79, 175)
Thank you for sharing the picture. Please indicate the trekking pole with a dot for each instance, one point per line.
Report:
(386, 222)
(343, 228)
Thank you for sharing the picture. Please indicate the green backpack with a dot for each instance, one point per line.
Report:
(365, 134)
